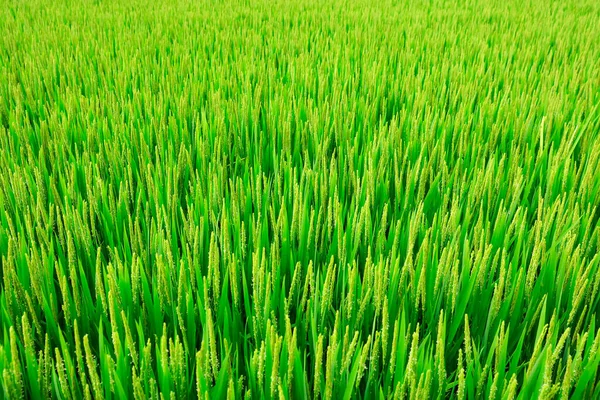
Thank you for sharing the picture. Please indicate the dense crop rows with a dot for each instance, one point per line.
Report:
(306, 199)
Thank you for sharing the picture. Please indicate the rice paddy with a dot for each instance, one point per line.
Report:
(300, 199)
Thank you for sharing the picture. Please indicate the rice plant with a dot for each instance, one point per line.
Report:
(300, 199)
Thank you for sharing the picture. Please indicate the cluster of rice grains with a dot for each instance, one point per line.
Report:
(299, 199)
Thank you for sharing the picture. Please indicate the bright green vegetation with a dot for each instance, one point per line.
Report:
(310, 200)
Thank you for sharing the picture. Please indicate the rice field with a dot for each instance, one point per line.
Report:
(300, 199)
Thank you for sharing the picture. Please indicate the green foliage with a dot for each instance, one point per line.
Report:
(301, 199)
